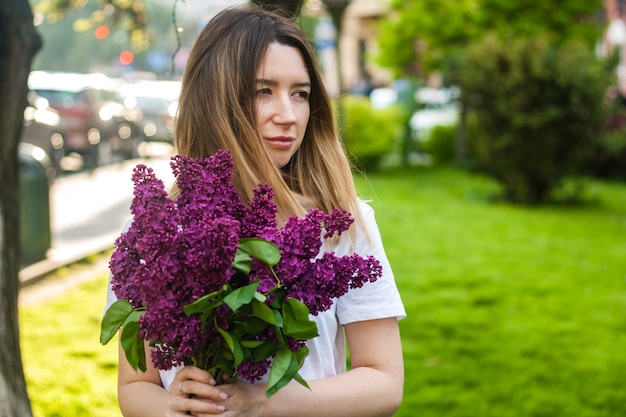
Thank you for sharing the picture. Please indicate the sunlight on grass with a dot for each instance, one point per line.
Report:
(512, 311)
(68, 372)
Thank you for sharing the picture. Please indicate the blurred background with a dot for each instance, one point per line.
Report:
(490, 136)
(441, 73)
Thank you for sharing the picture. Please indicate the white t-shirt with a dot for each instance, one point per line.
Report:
(377, 300)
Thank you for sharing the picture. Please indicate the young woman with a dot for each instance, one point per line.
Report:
(252, 86)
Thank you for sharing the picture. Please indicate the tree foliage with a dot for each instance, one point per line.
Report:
(131, 15)
(421, 34)
(425, 35)
(370, 133)
(559, 21)
(65, 49)
(539, 109)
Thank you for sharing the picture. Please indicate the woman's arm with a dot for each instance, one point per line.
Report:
(372, 388)
(141, 394)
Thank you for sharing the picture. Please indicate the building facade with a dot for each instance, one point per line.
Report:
(615, 37)
(357, 45)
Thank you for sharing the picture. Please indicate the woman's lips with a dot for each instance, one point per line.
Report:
(280, 142)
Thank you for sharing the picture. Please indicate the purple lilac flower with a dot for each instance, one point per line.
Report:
(316, 282)
(259, 219)
(253, 370)
(152, 232)
(206, 187)
(332, 277)
(176, 252)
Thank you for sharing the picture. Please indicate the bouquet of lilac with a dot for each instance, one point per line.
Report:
(210, 281)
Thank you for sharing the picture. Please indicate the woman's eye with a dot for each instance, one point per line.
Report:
(263, 91)
(302, 94)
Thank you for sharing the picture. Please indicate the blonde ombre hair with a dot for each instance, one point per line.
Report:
(217, 111)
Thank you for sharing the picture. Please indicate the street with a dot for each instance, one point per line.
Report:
(89, 209)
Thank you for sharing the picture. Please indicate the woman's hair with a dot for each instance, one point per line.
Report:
(217, 111)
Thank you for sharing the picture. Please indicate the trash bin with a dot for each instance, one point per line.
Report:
(36, 174)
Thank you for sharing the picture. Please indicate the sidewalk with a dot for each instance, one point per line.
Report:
(38, 291)
(36, 272)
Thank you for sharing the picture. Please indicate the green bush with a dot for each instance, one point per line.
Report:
(609, 160)
(441, 144)
(539, 108)
(368, 133)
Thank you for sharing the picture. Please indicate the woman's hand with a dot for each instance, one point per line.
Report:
(193, 392)
(244, 399)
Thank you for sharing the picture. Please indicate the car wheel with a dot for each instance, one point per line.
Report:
(57, 155)
(130, 139)
(104, 154)
(137, 140)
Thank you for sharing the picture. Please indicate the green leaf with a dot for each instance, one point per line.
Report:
(283, 369)
(264, 351)
(134, 315)
(241, 296)
(237, 331)
(301, 355)
(242, 262)
(260, 297)
(234, 346)
(113, 319)
(301, 380)
(261, 249)
(203, 304)
(133, 346)
(227, 339)
(251, 344)
(262, 311)
(289, 363)
(297, 322)
(253, 326)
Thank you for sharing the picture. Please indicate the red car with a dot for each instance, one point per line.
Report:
(95, 126)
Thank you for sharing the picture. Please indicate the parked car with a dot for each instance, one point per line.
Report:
(382, 98)
(437, 107)
(156, 104)
(94, 124)
(41, 129)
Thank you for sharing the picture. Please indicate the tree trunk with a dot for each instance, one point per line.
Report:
(337, 9)
(461, 138)
(18, 44)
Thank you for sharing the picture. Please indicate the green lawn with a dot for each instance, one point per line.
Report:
(68, 372)
(512, 311)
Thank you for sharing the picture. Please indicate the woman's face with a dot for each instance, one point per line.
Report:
(283, 88)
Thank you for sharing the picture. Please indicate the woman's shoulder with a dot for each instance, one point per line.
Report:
(364, 206)
(366, 212)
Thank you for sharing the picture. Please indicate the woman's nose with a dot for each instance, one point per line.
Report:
(283, 111)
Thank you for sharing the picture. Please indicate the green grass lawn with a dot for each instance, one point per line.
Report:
(68, 372)
(512, 311)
